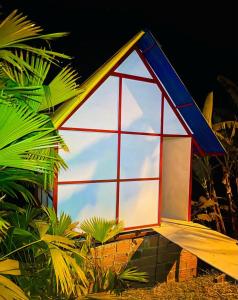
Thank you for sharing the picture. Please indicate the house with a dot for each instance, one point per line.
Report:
(131, 134)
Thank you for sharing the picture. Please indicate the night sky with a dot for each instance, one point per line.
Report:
(200, 38)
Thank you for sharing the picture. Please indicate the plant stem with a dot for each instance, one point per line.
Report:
(25, 246)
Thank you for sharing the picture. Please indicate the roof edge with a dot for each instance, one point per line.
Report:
(87, 86)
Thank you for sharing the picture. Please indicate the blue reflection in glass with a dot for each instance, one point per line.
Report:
(82, 201)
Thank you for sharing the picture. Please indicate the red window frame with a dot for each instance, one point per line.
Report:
(119, 132)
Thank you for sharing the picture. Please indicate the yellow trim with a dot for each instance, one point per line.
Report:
(65, 109)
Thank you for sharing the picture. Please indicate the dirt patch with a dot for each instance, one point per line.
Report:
(201, 288)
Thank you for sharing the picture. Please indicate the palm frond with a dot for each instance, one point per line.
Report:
(225, 125)
(8, 289)
(4, 225)
(23, 132)
(132, 274)
(16, 27)
(101, 229)
(62, 88)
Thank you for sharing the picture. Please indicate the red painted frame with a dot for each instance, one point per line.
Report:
(119, 132)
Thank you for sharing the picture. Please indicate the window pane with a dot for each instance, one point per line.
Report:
(133, 65)
(172, 125)
(82, 201)
(139, 203)
(100, 111)
(91, 156)
(141, 106)
(139, 156)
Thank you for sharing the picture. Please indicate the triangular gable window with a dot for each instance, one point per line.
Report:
(100, 111)
(172, 124)
(133, 65)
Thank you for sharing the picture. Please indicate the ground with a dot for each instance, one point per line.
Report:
(201, 288)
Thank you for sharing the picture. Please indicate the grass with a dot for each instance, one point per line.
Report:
(200, 288)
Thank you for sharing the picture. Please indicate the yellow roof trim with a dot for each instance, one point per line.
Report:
(216, 249)
(65, 109)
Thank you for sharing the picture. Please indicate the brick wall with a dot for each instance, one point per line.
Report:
(154, 254)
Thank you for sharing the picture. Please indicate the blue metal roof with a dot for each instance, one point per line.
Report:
(202, 133)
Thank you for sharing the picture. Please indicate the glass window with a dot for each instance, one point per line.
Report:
(172, 124)
(91, 156)
(100, 110)
(82, 201)
(139, 203)
(133, 65)
(141, 106)
(139, 156)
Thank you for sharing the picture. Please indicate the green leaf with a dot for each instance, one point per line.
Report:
(22, 232)
(101, 229)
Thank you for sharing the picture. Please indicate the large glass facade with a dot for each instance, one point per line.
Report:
(114, 140)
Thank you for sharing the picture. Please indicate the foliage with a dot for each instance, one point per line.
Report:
(100, 229)
(57, 259)
(9, 290)
(28, 137)
(211, 207)
(15, 33)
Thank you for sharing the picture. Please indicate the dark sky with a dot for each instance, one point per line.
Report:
(200, 38)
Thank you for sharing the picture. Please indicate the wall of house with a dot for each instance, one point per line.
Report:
(176, 178)
(154, 254)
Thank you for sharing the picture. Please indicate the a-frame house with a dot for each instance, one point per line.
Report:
(131, 133)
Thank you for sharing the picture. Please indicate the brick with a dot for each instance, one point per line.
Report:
(153, 240)
(107, 261)
(137, 254)
(108, 249)
(121, 258)
(124, 246)
(171, 276)
(136, 245)
(163, 242)
(146, 261)
(149, 252)
(173, 247)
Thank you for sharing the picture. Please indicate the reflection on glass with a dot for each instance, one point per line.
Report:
(100, 111)
(91, 156)
(139, 156)
(139, 203)
(133, 65)
(82, 201)
(141, 106)
(172, 125)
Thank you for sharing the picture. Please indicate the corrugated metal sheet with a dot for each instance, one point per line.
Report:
(216, 249)
(179, 94)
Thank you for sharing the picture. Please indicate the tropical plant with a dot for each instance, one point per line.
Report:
(226, 132)
(56, 258)
(24, 136)
(8, 289)
(102, 277)
(23, 75)
(15, 33)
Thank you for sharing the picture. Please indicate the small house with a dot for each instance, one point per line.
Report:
(131, 134)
